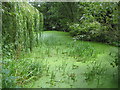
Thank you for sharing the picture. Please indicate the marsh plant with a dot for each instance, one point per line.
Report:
(95, 71)
(52, 79)
(80, 51)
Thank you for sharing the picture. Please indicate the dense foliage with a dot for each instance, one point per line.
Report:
(58, 15)
(22, 25)
(98, 23)
(88, 21)
(21, 28)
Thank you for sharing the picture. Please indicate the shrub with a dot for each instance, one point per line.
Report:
(86, 31)
(91, 30)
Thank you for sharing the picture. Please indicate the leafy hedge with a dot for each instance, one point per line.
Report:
(21, 27)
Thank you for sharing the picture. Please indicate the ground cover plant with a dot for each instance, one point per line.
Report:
(59, 45)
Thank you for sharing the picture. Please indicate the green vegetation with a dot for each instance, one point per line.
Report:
(89, 21)
(74, 64)
(22, 25)
(76, 46)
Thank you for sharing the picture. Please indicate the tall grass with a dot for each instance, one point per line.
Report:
(18, 72)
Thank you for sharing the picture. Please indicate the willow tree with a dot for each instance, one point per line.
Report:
(22, 23)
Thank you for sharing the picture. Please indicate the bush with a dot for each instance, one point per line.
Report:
(86, 31)
(91, 30)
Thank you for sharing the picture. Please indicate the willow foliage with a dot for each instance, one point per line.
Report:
(21, 27)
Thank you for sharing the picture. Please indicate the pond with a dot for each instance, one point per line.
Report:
(69, 63)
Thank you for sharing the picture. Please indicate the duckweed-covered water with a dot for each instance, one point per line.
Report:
(68, 63)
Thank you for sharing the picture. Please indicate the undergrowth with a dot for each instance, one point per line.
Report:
(18, 72)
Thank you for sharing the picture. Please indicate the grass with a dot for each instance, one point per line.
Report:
(62, 62)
